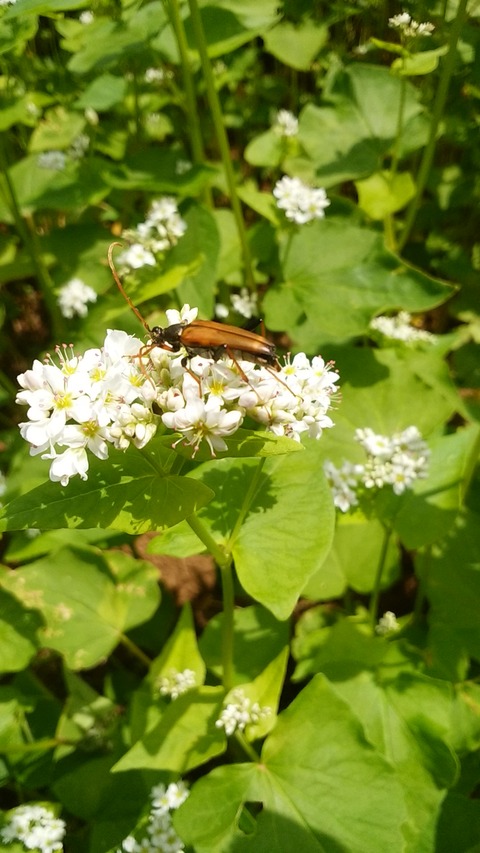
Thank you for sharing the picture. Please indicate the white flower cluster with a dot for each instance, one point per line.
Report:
(286, 123)
(387, 624)
(160, 836)
(175, 683)
(244, 303)
(86, 17)
(158, 75)
(300, 202)
(162, 229)
(84, 403)
(395, 461)
(57, 160)
(35, 827)
(74, 296)
(409, 28)
(240, 712)
(400, 328)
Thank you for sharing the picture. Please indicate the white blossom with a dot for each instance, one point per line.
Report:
(245, 303)
(79, 146)
(409, 28)
(136, 257)
(54, 160)
(122, 393)
(300, 202)
(240, 712)
(399, 328)
(86, 17)
(35, 827)
(74, 296)
(159, 836)
(286, 124)
(387, 624)
(395, 461)
(161, 229)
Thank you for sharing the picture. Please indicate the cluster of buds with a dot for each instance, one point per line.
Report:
(240, 712)
(408, 28)
(175, 684)
(400, 328)
(161, 229)
(395, 461)
(35, 827)
(110, 396)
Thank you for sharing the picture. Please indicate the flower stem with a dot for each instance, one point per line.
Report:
(26, 232)
(247, 747)
(224, 562)
(378, 579)
(195, 135)
(222, 139)
(135, 650)
(438, 108)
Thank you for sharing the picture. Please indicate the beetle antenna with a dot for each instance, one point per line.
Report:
(120, 285)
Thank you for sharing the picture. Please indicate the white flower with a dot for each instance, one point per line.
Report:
(159, 836)
(239, 712)
(395, 461)
(35, 827)
(245, 303)
(79, 146)
(388, 624)
(300, 202)
(167, 798)
(86, 17)
(409, 28)
(74, 296)
(286, 124)
(119, 394)
(54, 160)
(400, 328)
(136, 257)
(183, 166)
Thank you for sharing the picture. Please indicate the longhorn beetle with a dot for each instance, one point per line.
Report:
(204, 337)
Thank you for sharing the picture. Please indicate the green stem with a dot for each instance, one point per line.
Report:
(194, 125)
(438, 108)
(135, 651)
(399, 131)
(247, 747)
(28, 236)
(378, 579)
(224, 562)
(222, 139)
(421, 576)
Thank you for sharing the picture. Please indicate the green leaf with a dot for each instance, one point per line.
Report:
(321, 787)
(340, 651)
(84, 611)
(259, 638)
(14, 34)
(18, 633)
(296, 45)
(428, 513)
(291, 496)
(186, 736)
(348, 139)
(243, 444)
(407, 717)
(181, 651)
(224, 32)
(452, 586)
(336, 278)
(419, 63)
(382, 194)
(56, 131)
(357, 535)
(202, 242)
(267, 149)
(128, 492)
(155, 171)
(103, 93)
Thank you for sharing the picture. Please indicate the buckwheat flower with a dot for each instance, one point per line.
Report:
(300, 202)
(79, 146)
(74, 297)
(399, 328)
(344, 483)
(35, 827)
(154, 75)
(409, 28)
(221, 311)
(199, 421)
(136, 257)
(53, 160)
(387, 624)
(183, 166)
(286, 124)
(86, 17)
(166, 798)
(245, 303)
(175, 683)
(240, 712)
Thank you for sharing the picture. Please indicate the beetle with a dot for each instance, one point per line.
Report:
(204, 337)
